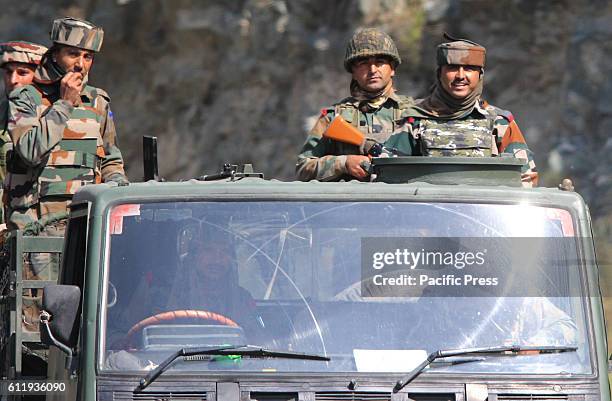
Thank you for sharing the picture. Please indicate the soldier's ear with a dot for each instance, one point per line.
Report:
(392, 72)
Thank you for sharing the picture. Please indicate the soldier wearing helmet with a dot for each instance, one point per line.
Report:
(454, 120)
(373, 107)
(18, 60)
(62, 130)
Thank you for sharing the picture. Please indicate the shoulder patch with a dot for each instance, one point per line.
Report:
(327, 112)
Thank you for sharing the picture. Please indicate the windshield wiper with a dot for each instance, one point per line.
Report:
(502, 349)
(460, 360)
(250, 351)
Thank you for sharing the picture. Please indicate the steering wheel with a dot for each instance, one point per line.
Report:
(180, 314)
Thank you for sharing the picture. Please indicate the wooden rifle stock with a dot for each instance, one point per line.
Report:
(341, 131)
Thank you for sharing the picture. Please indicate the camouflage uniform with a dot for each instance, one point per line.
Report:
(442, 126)
(58, 148)
(487, 131)
(5, 140)
(13, 52)
(325, 159)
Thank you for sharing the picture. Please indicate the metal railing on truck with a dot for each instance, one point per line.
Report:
(14, 340)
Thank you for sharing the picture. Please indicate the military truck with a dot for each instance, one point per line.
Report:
(234, 287)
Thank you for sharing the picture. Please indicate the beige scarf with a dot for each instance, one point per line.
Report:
(369, 101)
(440, 104)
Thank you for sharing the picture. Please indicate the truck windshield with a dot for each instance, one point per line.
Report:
(358, 282)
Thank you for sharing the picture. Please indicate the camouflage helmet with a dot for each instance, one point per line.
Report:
(21, 52)
(370, 42)
(460, 52)
(77, 33)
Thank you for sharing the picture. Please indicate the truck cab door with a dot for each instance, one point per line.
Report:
(72, 273)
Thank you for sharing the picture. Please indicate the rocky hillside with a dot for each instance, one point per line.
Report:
(242, 80)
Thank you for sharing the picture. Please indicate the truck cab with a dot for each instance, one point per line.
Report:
(250, 289)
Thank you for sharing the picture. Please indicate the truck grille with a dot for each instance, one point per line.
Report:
(532, 397)
(352, 396)
(160, 396)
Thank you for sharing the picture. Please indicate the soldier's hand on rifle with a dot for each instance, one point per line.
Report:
(353, 165)
(71, 86)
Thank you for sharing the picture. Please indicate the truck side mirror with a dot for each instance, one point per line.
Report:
(59, 316)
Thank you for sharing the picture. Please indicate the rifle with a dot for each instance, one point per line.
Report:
(341, 131)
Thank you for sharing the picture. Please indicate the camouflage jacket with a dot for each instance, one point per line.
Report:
(324, 159)
(57, 149)
(5, 139)
(5, 144)
(487, 131)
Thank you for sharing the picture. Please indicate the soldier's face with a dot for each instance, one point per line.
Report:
(73, 59)
(459, 80)
(16, 75)
(214, 262)
(373, 74)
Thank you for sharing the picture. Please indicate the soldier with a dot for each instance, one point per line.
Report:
(454, 120)
(371, 59)
(18, 61)
(63, 138)
(62, 129)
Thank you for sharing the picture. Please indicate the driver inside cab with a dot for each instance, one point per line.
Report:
(209, 282)
(201, 289)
